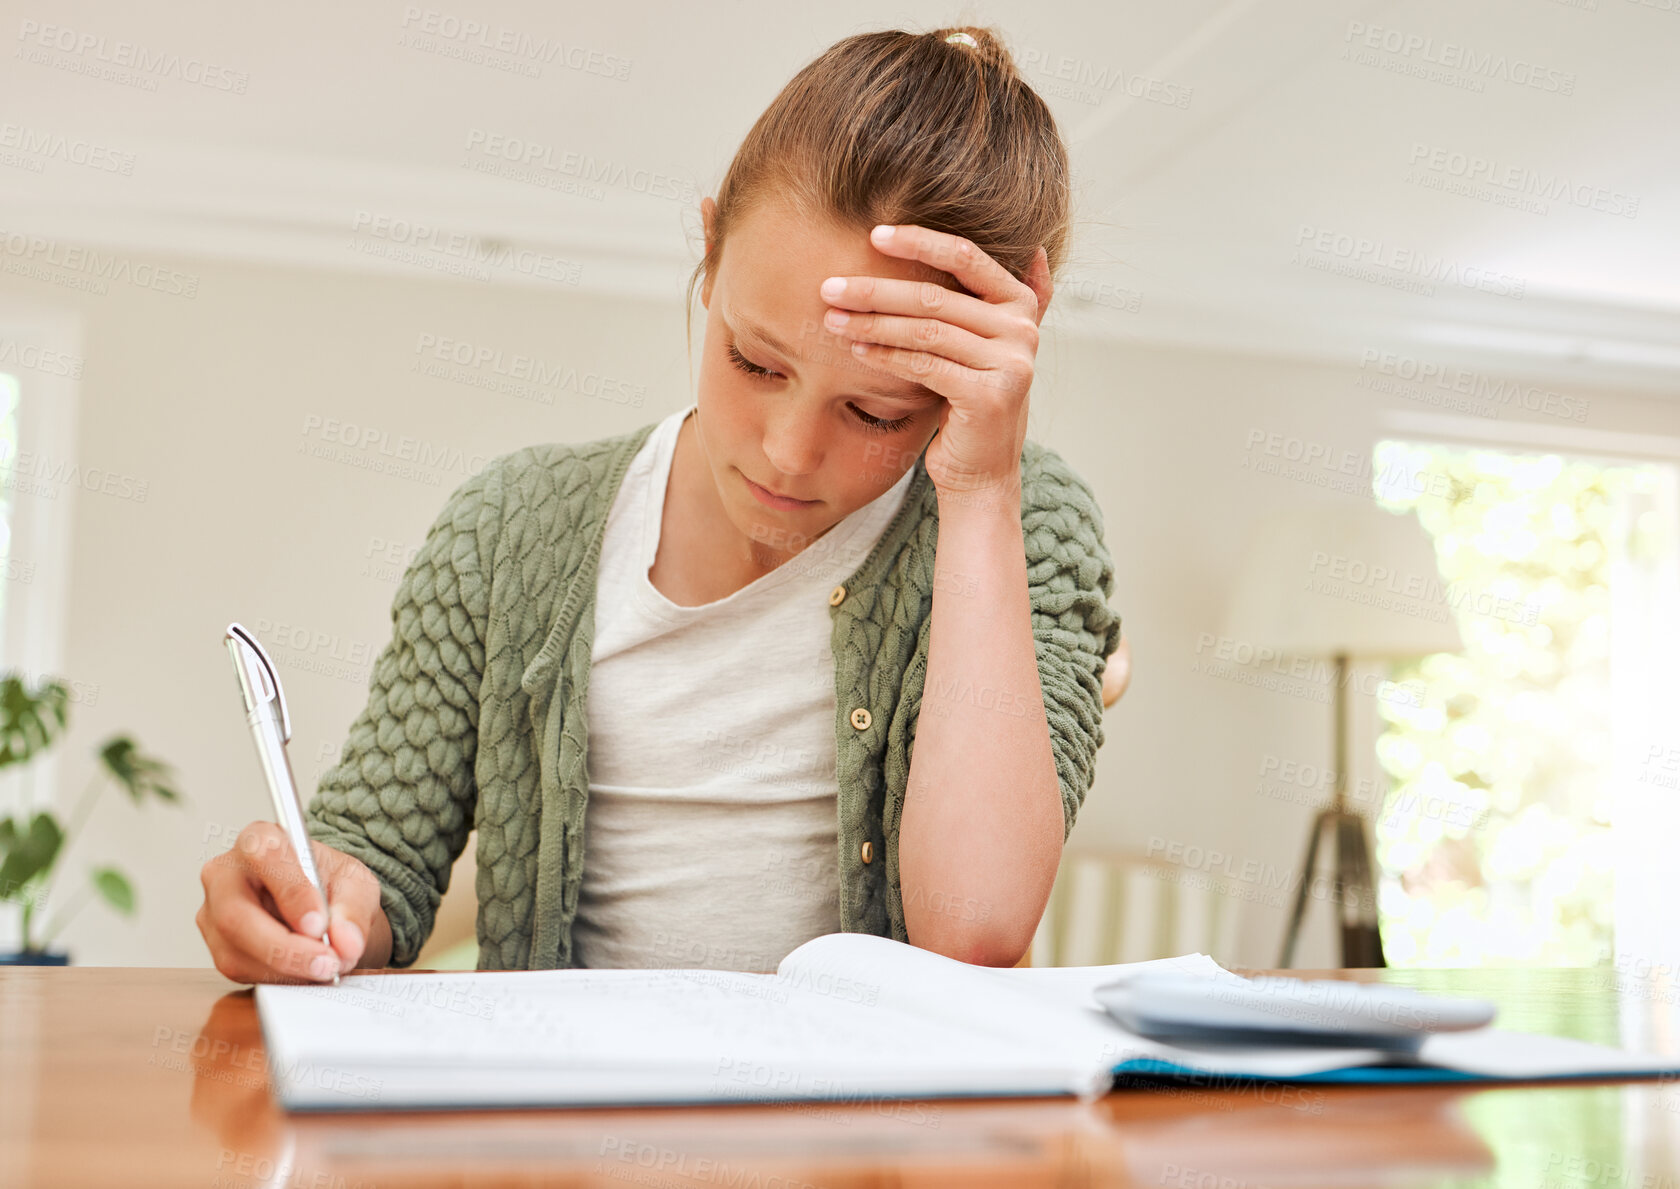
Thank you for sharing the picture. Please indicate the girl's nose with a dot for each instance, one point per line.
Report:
(793, 445)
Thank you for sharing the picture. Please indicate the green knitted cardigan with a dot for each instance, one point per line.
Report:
(476, 707)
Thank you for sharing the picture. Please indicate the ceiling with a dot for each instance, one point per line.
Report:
(1285, 177)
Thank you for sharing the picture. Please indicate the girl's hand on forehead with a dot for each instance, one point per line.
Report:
(977, 349)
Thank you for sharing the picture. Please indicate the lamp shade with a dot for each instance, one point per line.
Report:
(1349, 578)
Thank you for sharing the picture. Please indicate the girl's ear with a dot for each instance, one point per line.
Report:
(1038, 280)
(708, 215)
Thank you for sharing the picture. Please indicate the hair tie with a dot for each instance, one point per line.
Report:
(961, 38)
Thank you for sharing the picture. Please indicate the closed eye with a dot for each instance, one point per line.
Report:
(746, 365)
(864, 419)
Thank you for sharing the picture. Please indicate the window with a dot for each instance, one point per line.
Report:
(1504, 835)
(11, 570)
(39, 396)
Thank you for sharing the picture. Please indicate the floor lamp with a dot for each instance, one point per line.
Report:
(1336, 584)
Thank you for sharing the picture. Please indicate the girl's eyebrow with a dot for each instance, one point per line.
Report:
(908, 391)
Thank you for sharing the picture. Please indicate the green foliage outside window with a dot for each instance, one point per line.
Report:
(1494, 842)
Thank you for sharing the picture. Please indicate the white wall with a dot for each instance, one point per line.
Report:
(206, 399)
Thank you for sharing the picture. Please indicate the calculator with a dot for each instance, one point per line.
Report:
(1228, 1010)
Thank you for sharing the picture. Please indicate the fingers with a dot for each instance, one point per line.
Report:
(252, 903)
(249, 944)
(262, 919)
(353, 894)
(348, 942)
(267, 855)
(977, 271)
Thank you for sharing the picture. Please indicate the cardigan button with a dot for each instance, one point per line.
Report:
(868, 852)
(860, 718)
(836, 595)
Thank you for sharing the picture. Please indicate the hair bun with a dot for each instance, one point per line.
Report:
(980, 41)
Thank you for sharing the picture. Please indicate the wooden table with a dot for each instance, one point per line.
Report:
(131, 1077)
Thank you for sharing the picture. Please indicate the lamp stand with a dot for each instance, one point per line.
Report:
(1352, 888)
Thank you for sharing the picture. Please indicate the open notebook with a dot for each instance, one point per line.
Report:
(846, 1016)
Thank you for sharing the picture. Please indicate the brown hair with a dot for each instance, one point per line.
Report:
(901, 127)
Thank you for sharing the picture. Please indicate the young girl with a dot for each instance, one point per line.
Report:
(821, 652)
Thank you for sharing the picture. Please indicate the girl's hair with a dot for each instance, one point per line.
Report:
(900, 127)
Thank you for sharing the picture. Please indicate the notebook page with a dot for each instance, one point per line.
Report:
(1497, 1053)
(1072, 985)
(1050, 1010)
(627, 1035)
(1484, 1052)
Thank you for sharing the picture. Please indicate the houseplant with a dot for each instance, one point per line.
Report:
(31, 842)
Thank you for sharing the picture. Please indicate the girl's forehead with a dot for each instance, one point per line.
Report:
(775, 272)
(796, 244)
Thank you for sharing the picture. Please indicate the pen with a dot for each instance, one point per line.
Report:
(271, 727)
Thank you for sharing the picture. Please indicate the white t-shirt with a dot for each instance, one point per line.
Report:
(710, 834)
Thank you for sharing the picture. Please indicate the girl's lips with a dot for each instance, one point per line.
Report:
(764, 496)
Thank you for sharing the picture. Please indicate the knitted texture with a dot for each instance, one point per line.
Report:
(476, 706)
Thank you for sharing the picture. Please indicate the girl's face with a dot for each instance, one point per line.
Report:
(782, 400)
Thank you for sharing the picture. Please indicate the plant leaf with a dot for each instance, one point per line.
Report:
(9, 837)
(138, 774)
(29, 722)
(30, 853)
(115, 888)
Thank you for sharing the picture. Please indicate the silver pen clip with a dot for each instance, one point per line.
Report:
(257, 679)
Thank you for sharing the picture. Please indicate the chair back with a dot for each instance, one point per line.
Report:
(1113, 906)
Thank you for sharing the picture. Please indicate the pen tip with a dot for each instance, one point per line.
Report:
(329, 945)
